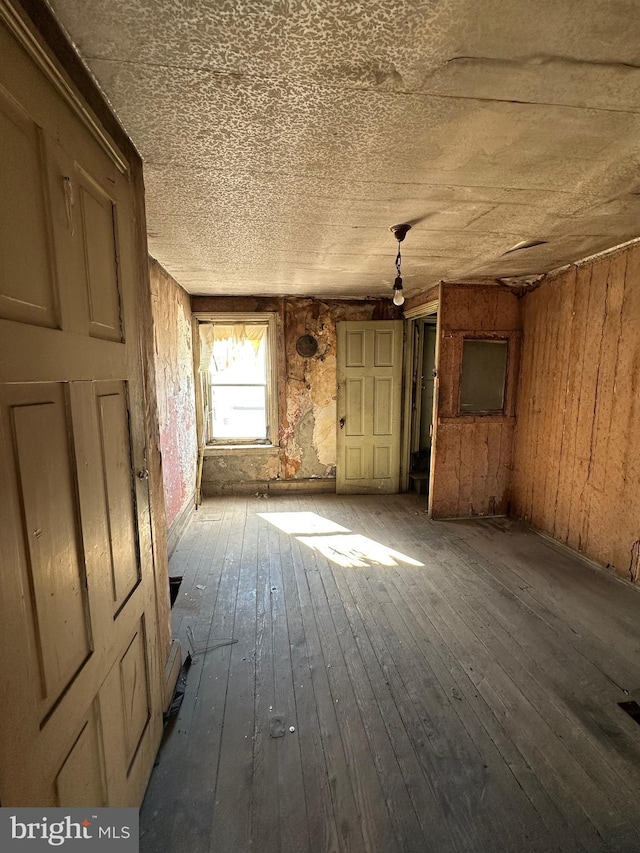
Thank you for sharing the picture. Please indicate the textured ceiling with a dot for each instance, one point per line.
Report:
(282, 139)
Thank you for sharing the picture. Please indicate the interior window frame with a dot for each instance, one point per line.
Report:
(203, 386)
(492, 339)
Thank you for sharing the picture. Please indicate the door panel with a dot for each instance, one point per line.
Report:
(80, 680)
(27, 278)
(382, 405)
(100, 244)
(80, 780)
(354, 463)
(355, 406)
(384, 348)
(369, 406)
(115, 446)
(53, 562)
(381, 462)
(135, 692)
(354, 348)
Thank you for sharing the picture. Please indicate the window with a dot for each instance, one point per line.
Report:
(484, 371)
(236, 353)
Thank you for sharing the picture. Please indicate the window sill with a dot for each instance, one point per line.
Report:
(229, 449)
(477, 419)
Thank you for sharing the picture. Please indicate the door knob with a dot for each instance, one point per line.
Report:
(143, 474)
(341, 423)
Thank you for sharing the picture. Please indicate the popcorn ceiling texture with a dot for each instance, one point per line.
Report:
(281, 139)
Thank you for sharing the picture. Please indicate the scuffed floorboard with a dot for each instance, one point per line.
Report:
(450, 686)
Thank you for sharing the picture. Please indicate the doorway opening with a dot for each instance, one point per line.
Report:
(422, 395)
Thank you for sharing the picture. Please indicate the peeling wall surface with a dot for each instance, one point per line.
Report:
(306, 391)
(473, 454)
(175, 389)
(577, 466)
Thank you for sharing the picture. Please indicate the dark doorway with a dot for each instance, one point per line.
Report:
(424, 351)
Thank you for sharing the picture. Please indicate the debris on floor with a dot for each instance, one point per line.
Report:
(215, 644)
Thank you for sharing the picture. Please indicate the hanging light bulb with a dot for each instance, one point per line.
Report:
(398, 295)
(399, 232)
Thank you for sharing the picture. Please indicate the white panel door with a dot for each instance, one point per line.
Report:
(369, 406)
(80, 685)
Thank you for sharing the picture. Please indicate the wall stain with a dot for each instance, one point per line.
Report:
(307, 389)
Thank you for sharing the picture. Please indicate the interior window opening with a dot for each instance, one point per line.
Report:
(235, 374)
(483, 379)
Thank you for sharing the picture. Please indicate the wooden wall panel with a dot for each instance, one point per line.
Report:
(473, 454)
(576, 470)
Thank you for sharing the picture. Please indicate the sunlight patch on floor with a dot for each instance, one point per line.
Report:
(336, 543)
(302, 523)
(355, 551)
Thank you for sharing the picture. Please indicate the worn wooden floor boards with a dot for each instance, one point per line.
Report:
(452, 687)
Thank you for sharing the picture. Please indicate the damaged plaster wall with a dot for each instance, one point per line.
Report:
(175, 390)
(577, 467)
(306, 394)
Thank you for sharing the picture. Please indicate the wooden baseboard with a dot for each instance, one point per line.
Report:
(179, 525)
(588, 561)
(326, 485)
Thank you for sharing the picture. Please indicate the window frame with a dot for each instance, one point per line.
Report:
(267, 318)
(493, 340)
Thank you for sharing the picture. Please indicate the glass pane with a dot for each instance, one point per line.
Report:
(239, 411)
(484, 367)
(240, 356)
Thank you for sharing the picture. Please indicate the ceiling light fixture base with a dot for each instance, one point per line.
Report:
(400, 231)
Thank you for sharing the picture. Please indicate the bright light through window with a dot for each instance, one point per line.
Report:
(238, 379)
(235, 376)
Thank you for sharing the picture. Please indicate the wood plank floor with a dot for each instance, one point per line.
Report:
(451, 686)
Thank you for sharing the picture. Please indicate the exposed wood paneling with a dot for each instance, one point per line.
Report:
(576, 473)
(472, 459)
(459, 694)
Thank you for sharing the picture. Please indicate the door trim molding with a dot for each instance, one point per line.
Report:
(410, 316)
(18, 27)
(423, 310)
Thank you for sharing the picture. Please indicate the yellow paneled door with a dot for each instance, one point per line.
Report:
(369, 406)
(80, 681)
